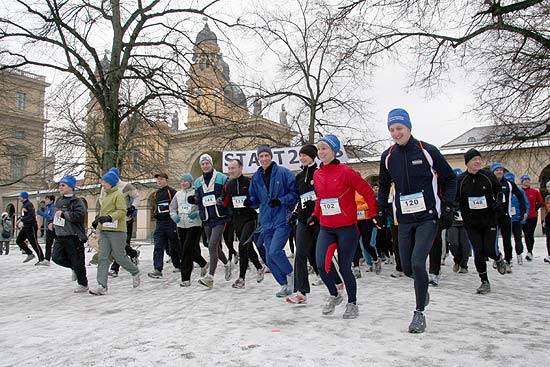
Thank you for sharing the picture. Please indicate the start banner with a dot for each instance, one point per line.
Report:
(286, 157)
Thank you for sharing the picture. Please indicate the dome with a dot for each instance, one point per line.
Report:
(225, 67)
(234, 94)
(206, 35)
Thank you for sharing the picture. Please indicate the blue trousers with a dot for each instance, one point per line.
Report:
(344, 240)
(415, 243)
(274, 243)
(166, 236)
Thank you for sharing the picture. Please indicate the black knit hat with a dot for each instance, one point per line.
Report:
(310, 150)
(471, 154)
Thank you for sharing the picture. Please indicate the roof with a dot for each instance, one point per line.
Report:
(474, 136)
(206, 35)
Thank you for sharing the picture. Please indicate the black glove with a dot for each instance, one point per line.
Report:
(522, 214)
(192, 199)
(247, 202)
(447, 215)
(95, 224)
(275, 202)
(219, 201)
(104, 218)
(130, 211)
(312, 221)
(380, 219)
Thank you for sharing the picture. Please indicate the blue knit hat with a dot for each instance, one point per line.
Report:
(24, 195)
(187, 177)
(495, 166)
(111, 178)
(524, 177)
(115, 170)
(69, 181)
(399, 115)
(457, 171)
(510, 176)
(264, 148)
(332, 141)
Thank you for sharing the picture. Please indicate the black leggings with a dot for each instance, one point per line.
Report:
(29, 233)
(190, 251)
(529, 233)
(245, 234)
(485, 244)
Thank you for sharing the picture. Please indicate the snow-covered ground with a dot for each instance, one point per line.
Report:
(42, 323)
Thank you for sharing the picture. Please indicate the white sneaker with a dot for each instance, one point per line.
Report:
(136, 280)
(29, 258)
(99, 291)
(43, 263)
(397, 274)
(520, 260)
(207, 281)
(185, 283)
(330, 305)
(297, 299)
(529, 256)
(81, 289)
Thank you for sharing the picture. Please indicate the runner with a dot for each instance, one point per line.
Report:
(509, 188)
(214, 216)
(29, 230)
(165, 236)
(365, 226)
(420, 174)
(47, 214)
(186, 217)
(244, 221)
(458, 240)
(112, 234)
(273, 188)
(336, 212)
(517, 219)
(479, 197)
(67, 223)
(5, 234)
(535, 202)
(547, 222)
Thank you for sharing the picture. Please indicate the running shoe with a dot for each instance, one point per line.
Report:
(508, 267)
(239, 284)
(418, 323)
(136, 280)
(547, 259)
(330, 305)
(484, 288)
(112, 273)
(356, 272)
(29, 258)
(529, 256)
(297, 299)
(456, 267)
(81, 289)
(207, 281)
(228, 268)
(185, 283)
(260, 274)
(99, 291)
(156, 274)
(520, 259)
(351, 312)
(378, 266)
(501, 266)
(285, 291)
(463, 270)
(397, 274)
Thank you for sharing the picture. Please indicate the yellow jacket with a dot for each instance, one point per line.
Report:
(114, 204)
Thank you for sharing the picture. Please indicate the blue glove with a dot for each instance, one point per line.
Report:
(176, 218)
(192, 216)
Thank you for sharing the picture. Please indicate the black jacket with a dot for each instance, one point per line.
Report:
(28, 214)
(73, 212)
(239, 187)
(483, 184)
(162, 198)
(304, 182)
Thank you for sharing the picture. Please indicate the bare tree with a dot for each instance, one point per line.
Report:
(505, 43)
(148, 48)
(322, 65)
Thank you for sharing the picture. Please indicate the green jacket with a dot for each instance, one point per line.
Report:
(114, 204)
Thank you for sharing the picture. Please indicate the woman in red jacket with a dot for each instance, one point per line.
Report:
(335, 209)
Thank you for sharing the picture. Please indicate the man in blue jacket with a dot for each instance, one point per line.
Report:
(273, 189)
(48, 213)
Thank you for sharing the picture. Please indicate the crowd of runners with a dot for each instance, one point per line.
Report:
(420, 209)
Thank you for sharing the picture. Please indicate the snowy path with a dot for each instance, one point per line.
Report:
(42, 323)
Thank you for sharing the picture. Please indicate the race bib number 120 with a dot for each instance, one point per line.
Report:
(412, 203)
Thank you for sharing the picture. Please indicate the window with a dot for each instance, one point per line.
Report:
(17, 167)
(20, 101)
(471, 139)
(19, 134)
(137, 158)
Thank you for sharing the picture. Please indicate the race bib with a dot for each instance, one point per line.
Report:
(308, 196)
(58, 221)
(184, 208)
(163, 207)
(209, 200)
(476, 203)
(513, 210)
(330, 206)
(238, 201)
(412, 203)
(361, 214)
(113, 224)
